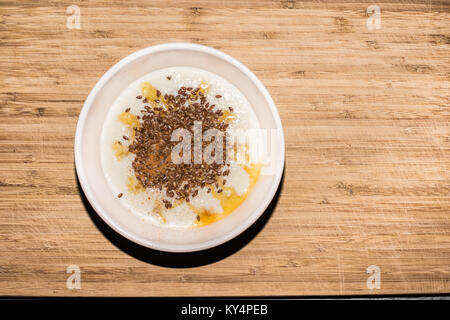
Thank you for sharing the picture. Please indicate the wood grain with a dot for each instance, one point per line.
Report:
(366, 114)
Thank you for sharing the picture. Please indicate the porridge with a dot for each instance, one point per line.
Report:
(179, 147)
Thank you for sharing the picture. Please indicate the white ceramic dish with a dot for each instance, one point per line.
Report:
(87, 147)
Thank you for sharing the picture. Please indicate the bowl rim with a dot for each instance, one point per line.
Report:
(90, 195)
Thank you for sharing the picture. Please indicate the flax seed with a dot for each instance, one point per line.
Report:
(152, 141)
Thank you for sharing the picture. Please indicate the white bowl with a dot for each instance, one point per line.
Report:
(87, 147)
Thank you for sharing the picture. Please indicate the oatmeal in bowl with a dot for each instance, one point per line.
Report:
(189, 149)
(161, 114)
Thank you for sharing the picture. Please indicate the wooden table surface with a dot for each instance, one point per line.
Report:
(366, 115)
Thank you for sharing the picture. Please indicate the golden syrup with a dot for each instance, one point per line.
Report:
(228, 202)
(134, 186)
(120, 151)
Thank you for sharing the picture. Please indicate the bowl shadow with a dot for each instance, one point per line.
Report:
(184, 259)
